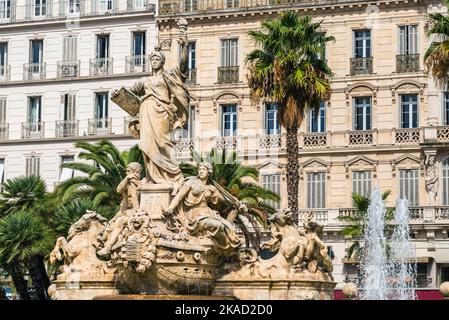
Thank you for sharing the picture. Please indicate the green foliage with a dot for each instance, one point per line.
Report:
(240, 181)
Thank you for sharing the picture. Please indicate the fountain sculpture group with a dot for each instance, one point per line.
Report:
(167, 238)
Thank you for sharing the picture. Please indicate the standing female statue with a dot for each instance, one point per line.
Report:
(164, 108)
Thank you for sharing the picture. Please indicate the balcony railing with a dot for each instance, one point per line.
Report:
(407, 136)
(360, 66)
(4, 131)
(74, 10)
(185, 145)
(32, 130)
(67, 128)
(443, 134)
(33, 71)
(416, 213)
(101, 66)
(270, 142)
(68, 69)
(5, 72)
(315, 140)
(361, 138)
(320, 215)
(191, 76)
(136, 64)
(226, 143)
(228, 74)
(442, 213)
(407, 63)
(100, 126)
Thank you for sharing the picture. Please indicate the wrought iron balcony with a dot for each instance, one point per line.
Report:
(191, 76)
(100, 126)
(407, 63)
(360, 66)
(32, 130)
(5, 72)
(68, 69)
(136, 64)
(34, 71)
(67, 128)
(101, 66)
(4, 131)
(228, 74)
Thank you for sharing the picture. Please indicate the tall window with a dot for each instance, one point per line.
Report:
(361, 182)
(316, 193)
(229, 120)
(68, 107)
(32, 166)
(272, 182)
(408, 40)
(40, 8)
(5, 9)
(139, 44)
(66, 173)
(446, 182)
(3, 58)
(318, 120)
(36, 51)
(34, 113)
(69, 48)
(409, 111)
(408, 186)
(192, 55)
(362, 43)
(190, 5)
(101, 109)
(271, 119)
(229, 51)
(362, 113)
(74, 6)
(446, 109)
(2, 170)
(188, 130)
(102, 47)
(105, 5)
(2, 110)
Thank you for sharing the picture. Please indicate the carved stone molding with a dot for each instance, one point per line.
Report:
(315, 165)
(361, 163)
(165, 44)
(409, 161)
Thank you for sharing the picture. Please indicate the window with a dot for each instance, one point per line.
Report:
(408, 40)
(408, 186)
(66, 173)
(3, 58)
(318, 122)
(446, 109)
(101, 109)
(139, 44)
(362, 113)
(232, 3)
(68, 107)
(138, 4)
(409, 111)
(362, 43)
(316, 190)
(40, 8)
(5, 9)
(32, 166)
(272, 182)
(105, 6)
(192, 55)
(190, 5)
(34, 112)
(229, 50)
(74, 6)
(361, 183)
(69, 48)
(36, 51)
(446, 182)
(2, 170)
(271, 119)
(229, 120)
(102, 47)
(188, 130)
(3, 110)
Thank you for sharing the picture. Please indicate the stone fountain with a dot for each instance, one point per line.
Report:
(167, 239)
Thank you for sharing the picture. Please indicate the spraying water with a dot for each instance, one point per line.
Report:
(375, 263)
(403, 253)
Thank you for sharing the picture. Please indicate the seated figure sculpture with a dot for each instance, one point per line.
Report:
(190, 209)
(130, 203)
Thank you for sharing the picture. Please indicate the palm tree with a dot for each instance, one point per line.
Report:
(357, 223)
(289, 68)
(25, 240)
(238, 181)
(437, 56)
(24, 193)
(101, 178)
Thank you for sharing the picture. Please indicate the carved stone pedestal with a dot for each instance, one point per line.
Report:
(154, 197)
(83, 288)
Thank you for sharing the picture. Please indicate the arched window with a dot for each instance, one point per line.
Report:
(446, 182)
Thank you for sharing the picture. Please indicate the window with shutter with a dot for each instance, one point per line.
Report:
(316, 193)
(408, 186)
(66, 173)
(272, 182)
(32, 166)
(361, 183)
(70, 48)
(229, 51)
(446, 182)
(3, 110)
(408, 40)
